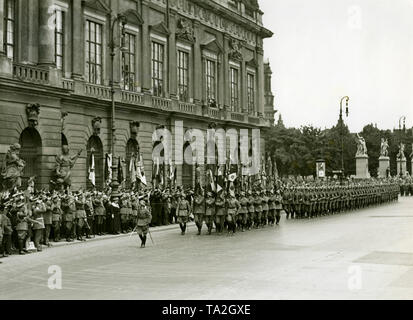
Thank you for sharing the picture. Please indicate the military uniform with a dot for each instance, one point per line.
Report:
(199, 211)
(209, 211)
(183, 210)
(144, 219)
(220, 212)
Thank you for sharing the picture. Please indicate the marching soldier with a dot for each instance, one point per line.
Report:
(243, 212)
(232, 206)
(209, 211)
(199, 209)
(144, 219)
(183, 211)
(278, 205)
(220, 212)
(251, 210)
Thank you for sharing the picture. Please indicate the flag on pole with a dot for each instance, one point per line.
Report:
(132, 170)
(220, 179)
(141, 171)
(232, 177)
(108, 168)
(92, 177)
(211, 177)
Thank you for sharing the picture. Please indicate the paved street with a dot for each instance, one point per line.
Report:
(303, 259)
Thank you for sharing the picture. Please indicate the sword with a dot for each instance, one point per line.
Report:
(150, 235)
(133, 231)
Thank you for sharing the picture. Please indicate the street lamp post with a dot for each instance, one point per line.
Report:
(346, 98)
(120, 18)
(400, 135)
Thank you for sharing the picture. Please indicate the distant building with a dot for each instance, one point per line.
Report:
(202, 63)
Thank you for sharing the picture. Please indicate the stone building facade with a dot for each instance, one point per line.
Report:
(200, 64)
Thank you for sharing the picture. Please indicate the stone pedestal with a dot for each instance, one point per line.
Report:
(384, 164)
(401, 165)
(362, 167)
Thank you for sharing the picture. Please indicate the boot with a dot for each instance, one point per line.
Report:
(144, 241)
(21, 250)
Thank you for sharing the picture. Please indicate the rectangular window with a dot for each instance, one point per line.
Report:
(128, 63)
(9, 22)
(183, 75)
(94, 72)
(210, 80)
(251, 92)
(59, 39)
(234, 89)
(157, 69)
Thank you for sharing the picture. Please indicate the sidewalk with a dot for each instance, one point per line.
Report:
(112, 236)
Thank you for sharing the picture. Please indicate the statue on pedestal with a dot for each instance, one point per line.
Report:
(401, 155)
(411, 155)
(361, 146)
(384, 148)
(64, 165)
(13, 168)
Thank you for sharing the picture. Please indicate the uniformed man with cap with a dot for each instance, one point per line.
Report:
(220, 211)
(251, 210)
(232, 207)
(199, 209)
(243, 212)
(209, 211)
(56, 217)
(278, 205)
(144, 219)
(183, 210)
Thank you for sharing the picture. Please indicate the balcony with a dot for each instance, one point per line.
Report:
(30, 74)
(161, 103)
(97, 91)
(132, 97)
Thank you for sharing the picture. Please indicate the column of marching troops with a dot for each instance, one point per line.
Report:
(43, 217)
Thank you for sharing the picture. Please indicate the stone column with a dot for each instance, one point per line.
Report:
(6, 66)
(362, 167)
(197, 65)
(401, 166)
(384, 165)
(146, 49)
(2, 13)
(172, 68)
(244, 93)
(46, 34)
(77, 40)
(226, 89)
(260, 75)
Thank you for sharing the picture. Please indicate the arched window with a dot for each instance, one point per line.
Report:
(31, 152)
(95, 143)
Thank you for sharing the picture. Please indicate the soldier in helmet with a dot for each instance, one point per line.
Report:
(258, 209)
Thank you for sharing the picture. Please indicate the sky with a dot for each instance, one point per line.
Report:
(323, 50)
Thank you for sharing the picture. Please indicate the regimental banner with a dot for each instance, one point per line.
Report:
(321, 169)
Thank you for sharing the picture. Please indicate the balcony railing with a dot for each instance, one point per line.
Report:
(161, 103)
(97, 91)
(30, 74)
(237, 116)
(214, 113)
(132, 97)
(68, 84)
